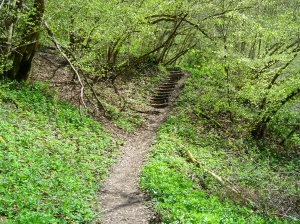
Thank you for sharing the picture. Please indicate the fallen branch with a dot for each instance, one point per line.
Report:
(221, 180)
(100, 105)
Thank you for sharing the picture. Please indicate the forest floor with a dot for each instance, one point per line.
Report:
(121, 199)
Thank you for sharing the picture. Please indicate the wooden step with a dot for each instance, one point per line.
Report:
(165, 89)
(174, 78)
(160, 97)
(160, 105)
(175, 75)
(159, 101)
(168, 84)
(165, 96)
(175, 72)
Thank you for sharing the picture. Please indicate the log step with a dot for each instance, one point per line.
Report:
(165, 89)
(160, 105)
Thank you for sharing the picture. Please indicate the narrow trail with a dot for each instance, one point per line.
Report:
(121, 198)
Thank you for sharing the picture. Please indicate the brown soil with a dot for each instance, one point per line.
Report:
(122, 201)
(121, 198)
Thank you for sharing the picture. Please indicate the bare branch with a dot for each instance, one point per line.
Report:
(50, 33)
(154, 50)
(174, 18)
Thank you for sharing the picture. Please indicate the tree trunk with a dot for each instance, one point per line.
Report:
(22, 57)
(290, 135)
(260, 129)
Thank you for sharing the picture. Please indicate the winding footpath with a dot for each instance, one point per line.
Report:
(121, 198)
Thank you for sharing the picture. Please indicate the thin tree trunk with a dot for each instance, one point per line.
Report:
(259, 131)
(151, 52)
(9, 24)
(290, 135)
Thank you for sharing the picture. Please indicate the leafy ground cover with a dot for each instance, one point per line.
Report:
(51, 158)
(266, 178)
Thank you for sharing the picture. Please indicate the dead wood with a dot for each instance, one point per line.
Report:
(223, 181)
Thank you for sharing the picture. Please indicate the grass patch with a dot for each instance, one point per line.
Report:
(178, 201)
(51, 159)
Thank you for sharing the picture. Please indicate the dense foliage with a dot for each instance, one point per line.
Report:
(239, 111)
(255, 44)
(51, 158)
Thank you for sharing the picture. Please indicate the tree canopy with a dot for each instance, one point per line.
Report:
(255, 44)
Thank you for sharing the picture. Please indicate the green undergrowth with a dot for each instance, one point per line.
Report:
(183, 192)
(51, 158)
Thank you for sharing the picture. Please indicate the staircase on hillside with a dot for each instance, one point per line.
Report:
(162, 95)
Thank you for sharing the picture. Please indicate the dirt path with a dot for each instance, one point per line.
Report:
(122, 201)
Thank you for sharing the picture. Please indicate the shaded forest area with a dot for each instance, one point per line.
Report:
(241, 101)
